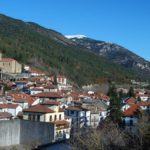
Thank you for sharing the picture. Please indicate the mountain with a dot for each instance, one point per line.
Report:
(115, 53)
(50, 51)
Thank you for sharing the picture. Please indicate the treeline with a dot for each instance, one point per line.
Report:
(109, 136)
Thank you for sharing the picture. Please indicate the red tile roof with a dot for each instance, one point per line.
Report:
(37, 89)
(22, 97)
(59, 122)
(51, 103)
(133, 110)
(13, 106)
(146, 103)
(101, 96)
(39, 108)
(74, 95)
(74, 108)
(37, 71)
(131, 100)
(5, 115)
(7, 60)
(49, 95)
(50, 86)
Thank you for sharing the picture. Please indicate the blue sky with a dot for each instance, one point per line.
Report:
(125, 22)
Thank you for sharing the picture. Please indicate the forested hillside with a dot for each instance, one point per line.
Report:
(50, 51)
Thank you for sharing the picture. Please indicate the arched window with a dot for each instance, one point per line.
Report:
(55, 117)
(60, 117)
(50, 118)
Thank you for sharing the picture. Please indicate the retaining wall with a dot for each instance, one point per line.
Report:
(13, 132)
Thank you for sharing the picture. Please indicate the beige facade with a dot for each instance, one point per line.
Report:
(56, 117)
(45, 117)
(9, 65)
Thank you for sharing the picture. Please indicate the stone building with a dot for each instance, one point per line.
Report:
(9, 65)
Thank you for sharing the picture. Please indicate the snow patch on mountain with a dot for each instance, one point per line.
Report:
(78, 36)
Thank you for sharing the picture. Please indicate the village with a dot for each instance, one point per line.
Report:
(35, 97)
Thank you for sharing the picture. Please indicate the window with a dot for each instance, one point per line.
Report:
(38, 117)
(50, 118)
(72, 112)
(60, 117)
(55, 117)
(33, 117)
(29, 117)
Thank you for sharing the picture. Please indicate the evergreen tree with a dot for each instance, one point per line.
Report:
(121, 95)
(55, 80)
(114, 110)
(131, 92)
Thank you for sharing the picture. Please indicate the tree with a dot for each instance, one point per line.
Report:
(55, 80)
(131, 92)
(114, 110)
(91, 140)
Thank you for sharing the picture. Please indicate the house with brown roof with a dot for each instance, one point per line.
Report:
(22, 99)
(53, 115)
(36, 90)
(9, 65)
(44, 96)
(36, 73)
(50, 88)
(13, 109)
(131, 115)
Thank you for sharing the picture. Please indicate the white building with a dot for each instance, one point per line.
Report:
(13, 109)
(80, 116)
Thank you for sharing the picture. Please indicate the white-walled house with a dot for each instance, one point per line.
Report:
(131, 115)
(36, 90)
(80, 116)
(22, 99)
(61, 80)
(35, 73)
(13, 109)
(50, 88)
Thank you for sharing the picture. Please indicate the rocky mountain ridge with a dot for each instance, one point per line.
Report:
(114, 52)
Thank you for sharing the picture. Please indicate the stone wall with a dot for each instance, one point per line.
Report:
(13, 132)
